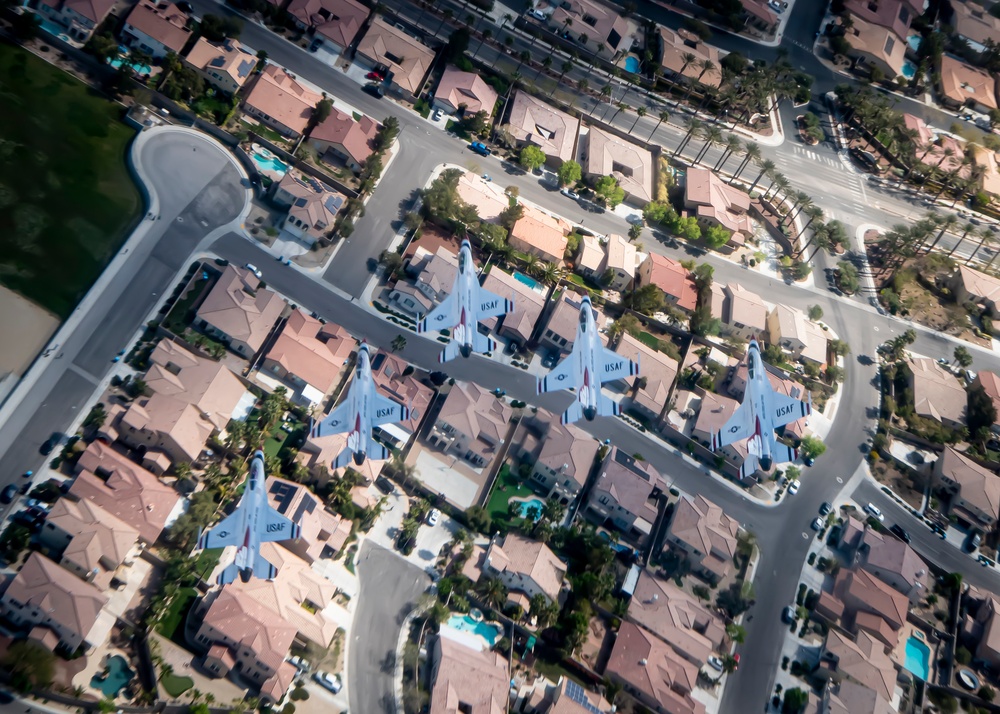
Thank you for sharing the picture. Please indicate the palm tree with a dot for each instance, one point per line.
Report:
(687, 58)
(706, 65)
(640, 113)
(694, 125)
(966, 230)
(494, 592)
(447, 16)
(619, 107)
(550, 272)
(398, 343)
(546, 63)
(815, 213)
(985, 236)
(713, 137)
(487, 34)
(605, 92)
(947, 223)
(525, 56)
(581, 90)
(733, 144)
(565, 67)
(663, 116)
(751, 152)
(802, 200)
(766, 169)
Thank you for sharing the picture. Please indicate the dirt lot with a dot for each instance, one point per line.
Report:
(902, 483)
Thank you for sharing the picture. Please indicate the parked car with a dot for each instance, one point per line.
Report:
(433, 517)
(299, 663)
(437, 114)
(715, 663)
(793, 487)
(8, 494)
(570, 194)
(817, 524)
(825, 509)
(788, 614)
(538, 15)
(897, 530)
(736, 661)
(480, 148)
(872, 510)
(376, 76)
(330, 681)
(487, 178)
(374, 89)
(254, 269)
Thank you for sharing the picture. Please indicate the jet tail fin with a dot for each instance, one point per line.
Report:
(449, 352)
(228, 574)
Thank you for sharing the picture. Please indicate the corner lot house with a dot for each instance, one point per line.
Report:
(339, 138)
(281, 101)
(464, 89)
(464, 679)
(226, 65)
(677, 44)
(335, 23)
(388, 49)
(744, 313)
(937, 394)
(434, 278)
(323, 533)
(626, 495)
(671, 277)
(599, 28)
(93, 542)
(309, 356)
(873, 46)
(472, 424)
(963, 85)
(967, 284)
(652, 672)
(79, 17)
(990, 383)
(239, 312)
(716, 203)
(312, 206)
(531, 121)
(974, 24)
(156, 27)
(975, 489)
(541, 234)
(706, 535)
(632, 165)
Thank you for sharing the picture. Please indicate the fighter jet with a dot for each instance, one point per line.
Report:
(763, 410)
(357, 415)
(252, 523)
(587, 367)
(462, 310)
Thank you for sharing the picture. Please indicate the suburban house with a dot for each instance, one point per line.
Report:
(974, 489)
(895, 15)
(716, 203)
(248, 639)
(312, 206)
(894, 562)
(225, 65)
(526, 566)
(563, 697)
(937, 394)
(989, 182)
(59, 608)
(472, 424)
(309, 356)
(323, 533)
(963, 85)
(689, 626)
(705, 535)
(561, 455)
(387, 49)
(796, 334)
(560, 331)
(601, 29)
(759, 18)
(980, 628)
(519, 324)
(467, 679)
(487, 197)
(714, 410)
(341, 139)
(651, 389)
(676, 44)
(282, 102)
(671, 277)
(780, 384)
(589, 257)
(93, 542)
(875, 47)
(968, 285)
(622, 258)
(974, 24)
(125, 490)
(458, 89)
(541, 234)
(862, 661)
(434, 278)
(192, 398)
(627, 494)
(238, 312)
(633, 166)
(79, 17)
(334, 23)
(861, 602)
(989, 382)
(532, 121)
(744, 314)
(652, 672)
(156, 27)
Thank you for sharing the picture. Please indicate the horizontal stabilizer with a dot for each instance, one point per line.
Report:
(228, 574)
(263, 569)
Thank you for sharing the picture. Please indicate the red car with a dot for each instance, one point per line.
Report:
(736, 660)
(375, 76)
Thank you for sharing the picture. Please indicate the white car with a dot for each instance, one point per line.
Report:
(715, 663)
(569, 194)
(433, 517)
(817, 524)
(254, 269)
(872, 510)
(538, 15)
(330, 681)
(299, 663)
(793, 487)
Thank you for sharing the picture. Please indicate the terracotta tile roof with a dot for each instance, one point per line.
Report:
(96, 534)
(523, 557)
(658, 369)
(565, 317)
(566, 449)
(677, 43)
(541, 234)
(278, 683)
(534, 122)
(853, 698)
(486, 197)
(676, 617)
(161, 20)
(93, 10)
(672, 278)
(405, 56)
(705, 527)
(979, 486)
(338, 20)
(925, 135)
(745, 308)
(228, 57)
(937, 394)
(313, 352)
(528, 303)
(468, 680)
(566, 696)
(865, 661)
(864, 593)
(714, 412)
(890, 556)
(990, 383)
(314, 204)
(877, 42)
(630, 483)
(240, 308)
(893, 14)
(591, 254)
(990, 181)
(603, 24)
(468, 88)
(241, 620)
(403, 389)
(354, 138)
(961, 82)
(320, 529)
(620, 254)
(714, 199)
(632, 165)
(979, 285)
(473, 411)
(972, 22)
(280, 96)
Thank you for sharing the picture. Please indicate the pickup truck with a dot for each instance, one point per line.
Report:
(479, 148)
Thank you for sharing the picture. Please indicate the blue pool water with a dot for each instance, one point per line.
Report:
(918, 656)
(119, 675)
(909, 69)
(532, 502)
(464, 623)
(632, 64)
(52, 28)
(524, 279)
(271, 163)
(914, 42)
(122, 56)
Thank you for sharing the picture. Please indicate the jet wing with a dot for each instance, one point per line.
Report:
(443, 317)
(785, 409)
(277, 528)
(225, 533)
(563, 376)
(386, 411)
(492, 305)
(614, 366)
(336, 422)
(738, 427)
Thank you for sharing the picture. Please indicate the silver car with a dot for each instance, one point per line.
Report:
(330, 681)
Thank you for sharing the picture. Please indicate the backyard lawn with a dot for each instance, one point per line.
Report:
(67, 199)
(172, 623)
(507, 486)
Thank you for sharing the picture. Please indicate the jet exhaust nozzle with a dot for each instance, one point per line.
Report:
(465, 350)
(246, 574)
(590, 413)
(766, 463)
(359, 457)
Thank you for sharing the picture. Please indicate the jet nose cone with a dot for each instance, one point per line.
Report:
(465, 350)
(359, 457)
(590, 413)
(766, 463)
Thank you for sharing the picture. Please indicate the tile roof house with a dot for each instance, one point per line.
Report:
(93, 542)
(336, 22)
(875, 46)
(975, 489)
(565, 697)
(796, 334)
(589, 257)
(986, 159)
(633, 166)
(248, 637)
(467, 680)
(651, 390)
(743, 313)
(964, 85)
(434, 275)
(156, 27)
(716, 203)
(388, 49)
(282, 102)
(937, 394)
(758, 16)
(525, 566)
(312, 206)
(125, 490)
(622, 258)
(676, 44)
(693, 630)
(895, 15)
(653, 672)
(562, 455)
(45, 595)
(671, 277)
(323, 533)
(968, 285)
(925, 135)
(531, 121)
(863, 660)
(974, 24)
(609, 33)
(541, 234)
(519, 324)
(458, 88)
(626, 493)
(239, 312)
(560, 331)
(309, 355)
(472, 424)
(894, 562)
(705, 534)
(79, 17)
(487, 197)
(862, 602)
(226, 65)
(990, 383)
(987, 631)
(340, 138)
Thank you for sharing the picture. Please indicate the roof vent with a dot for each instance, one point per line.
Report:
(643, 662)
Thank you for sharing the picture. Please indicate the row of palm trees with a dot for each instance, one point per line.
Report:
(903, 242)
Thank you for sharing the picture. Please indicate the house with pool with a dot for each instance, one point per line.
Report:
(527, 567)
(518, 325)
(626, 496)
(466, 678)
(603, 30)
(79, 17)
(281, 101)
(157, 27)
(561, 456)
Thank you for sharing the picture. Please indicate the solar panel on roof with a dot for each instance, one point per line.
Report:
(575, 692)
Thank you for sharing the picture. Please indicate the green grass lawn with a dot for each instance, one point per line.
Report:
(497, 505)
(180, 314)
(172, 623)
(176, 685)
(277, 438)
(207, 561)
(67, 199)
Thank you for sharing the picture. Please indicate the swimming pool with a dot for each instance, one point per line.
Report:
(632, 64)
(525, 280)
(52, 28)
(909, 69)
(918, 657)
(269, 163)
(464, 623)
(914, 42)
(122, 56)
(529, 504)
(119, 675)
